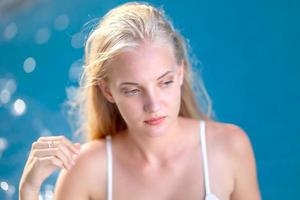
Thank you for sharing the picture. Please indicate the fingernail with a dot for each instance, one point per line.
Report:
(78, 145)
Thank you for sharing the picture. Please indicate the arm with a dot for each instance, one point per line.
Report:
(47, 155)
(70, 185)
(246, 183)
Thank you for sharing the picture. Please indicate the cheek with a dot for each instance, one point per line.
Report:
(177, 100)
(172, 100)
(130, 109)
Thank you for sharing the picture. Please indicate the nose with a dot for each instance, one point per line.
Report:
(152, 103)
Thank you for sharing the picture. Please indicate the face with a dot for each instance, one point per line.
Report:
(145, 84)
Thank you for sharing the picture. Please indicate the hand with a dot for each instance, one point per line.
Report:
(47, 155)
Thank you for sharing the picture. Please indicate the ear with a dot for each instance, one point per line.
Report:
(103, 85)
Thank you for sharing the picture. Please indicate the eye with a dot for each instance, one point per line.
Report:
(166, 83)
(131, 92)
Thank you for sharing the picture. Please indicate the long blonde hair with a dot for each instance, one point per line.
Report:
(124, 27)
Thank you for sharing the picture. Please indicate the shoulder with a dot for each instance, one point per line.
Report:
(228, 136)
(92, 157)
(225, 139)
(87, 176)
(235, 145)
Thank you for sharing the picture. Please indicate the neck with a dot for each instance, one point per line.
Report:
(157, 150)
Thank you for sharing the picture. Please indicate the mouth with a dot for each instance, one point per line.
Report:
(155, 121)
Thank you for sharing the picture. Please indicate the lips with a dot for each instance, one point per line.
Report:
(155, 121)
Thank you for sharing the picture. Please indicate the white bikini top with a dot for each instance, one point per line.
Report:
(208, 194)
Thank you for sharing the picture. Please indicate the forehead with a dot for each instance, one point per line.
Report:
(146, 62)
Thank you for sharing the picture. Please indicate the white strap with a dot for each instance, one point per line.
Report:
(109, 167)
(204, 156)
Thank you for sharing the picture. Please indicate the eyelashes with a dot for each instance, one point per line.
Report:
(131, 92)
(134, 92)
(167, 82)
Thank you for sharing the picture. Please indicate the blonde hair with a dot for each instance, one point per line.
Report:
(127, 26)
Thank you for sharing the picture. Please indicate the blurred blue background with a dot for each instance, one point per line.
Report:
(249, 53)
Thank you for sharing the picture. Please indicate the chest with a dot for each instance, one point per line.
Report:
(184, 179)
(174, 181)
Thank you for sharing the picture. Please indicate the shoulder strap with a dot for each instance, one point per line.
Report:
(109, 167)
(204, 156)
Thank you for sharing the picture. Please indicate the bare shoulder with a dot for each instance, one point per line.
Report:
(87, 176)
(233, 141)
(228, 136)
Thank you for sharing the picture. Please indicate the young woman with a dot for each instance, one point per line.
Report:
(149, 139)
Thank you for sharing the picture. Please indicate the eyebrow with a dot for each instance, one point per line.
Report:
(160, 77)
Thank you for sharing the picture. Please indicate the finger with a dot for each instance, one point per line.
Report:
(78, 147)
(73, 147)
(60, 155)
(47, 138)
(52, 160)
(41, 149)
(42, 154)
(43, 145)
(60, 151)
(67, 153)
(56, 139)
(61, 144)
